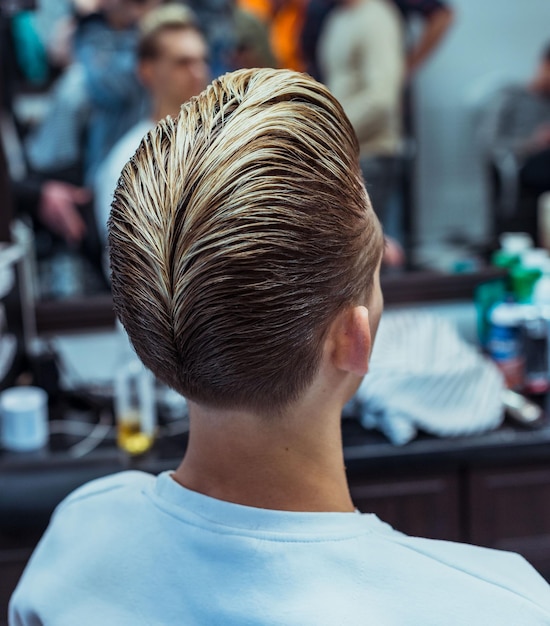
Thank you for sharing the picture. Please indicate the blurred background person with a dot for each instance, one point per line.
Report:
(517, 122)
(252, 44)
(173, 67)
(47, 197)
(98, 97)
(217, 22)
(92, 45)
(362, 62)
(236, 36)
(437, 17)
(95, 99)
(394, 178)
(285, 20)
(513, 130)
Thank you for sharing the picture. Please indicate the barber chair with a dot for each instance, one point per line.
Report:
(511, 206)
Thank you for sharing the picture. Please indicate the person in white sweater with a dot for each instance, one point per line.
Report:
(245, 261)
(361, 53)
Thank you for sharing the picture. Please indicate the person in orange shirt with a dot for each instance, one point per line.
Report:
(285, 19)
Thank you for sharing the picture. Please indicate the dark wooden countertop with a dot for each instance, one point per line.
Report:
(32, 484)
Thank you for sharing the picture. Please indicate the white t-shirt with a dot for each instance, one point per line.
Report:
(132, 549)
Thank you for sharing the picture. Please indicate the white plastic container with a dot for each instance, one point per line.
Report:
(24, 414)
(515, 243)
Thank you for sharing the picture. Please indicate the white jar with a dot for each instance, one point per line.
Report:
(24, 418)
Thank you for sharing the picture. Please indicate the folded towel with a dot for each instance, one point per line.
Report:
(424, 376)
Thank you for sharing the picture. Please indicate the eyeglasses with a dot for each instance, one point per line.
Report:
(185, 62)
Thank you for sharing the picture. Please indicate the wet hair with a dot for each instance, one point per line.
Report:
(238, 232)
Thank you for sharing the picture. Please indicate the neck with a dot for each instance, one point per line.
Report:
(292, 463)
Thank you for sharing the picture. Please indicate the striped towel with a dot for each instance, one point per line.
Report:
(424, 376)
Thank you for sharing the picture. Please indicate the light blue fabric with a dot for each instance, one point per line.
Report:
(132, 549)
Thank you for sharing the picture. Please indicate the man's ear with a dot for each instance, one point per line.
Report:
(352, 341)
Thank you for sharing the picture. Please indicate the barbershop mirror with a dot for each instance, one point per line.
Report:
(455, 211)
(443, 211)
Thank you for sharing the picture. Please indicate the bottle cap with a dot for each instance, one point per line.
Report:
(506, 314)
(515, 242)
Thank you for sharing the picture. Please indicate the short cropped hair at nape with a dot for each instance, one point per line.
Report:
(238, 232)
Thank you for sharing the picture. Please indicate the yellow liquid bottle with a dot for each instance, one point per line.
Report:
(131, 438)
(135, 408)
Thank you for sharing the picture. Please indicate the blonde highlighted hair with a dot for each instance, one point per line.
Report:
(238, 231)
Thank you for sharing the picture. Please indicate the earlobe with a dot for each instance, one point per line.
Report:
(352, 341)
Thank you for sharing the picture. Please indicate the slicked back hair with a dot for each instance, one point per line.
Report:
(238, 232)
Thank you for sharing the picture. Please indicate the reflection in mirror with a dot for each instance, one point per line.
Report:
(489, 49)
(442, 211)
